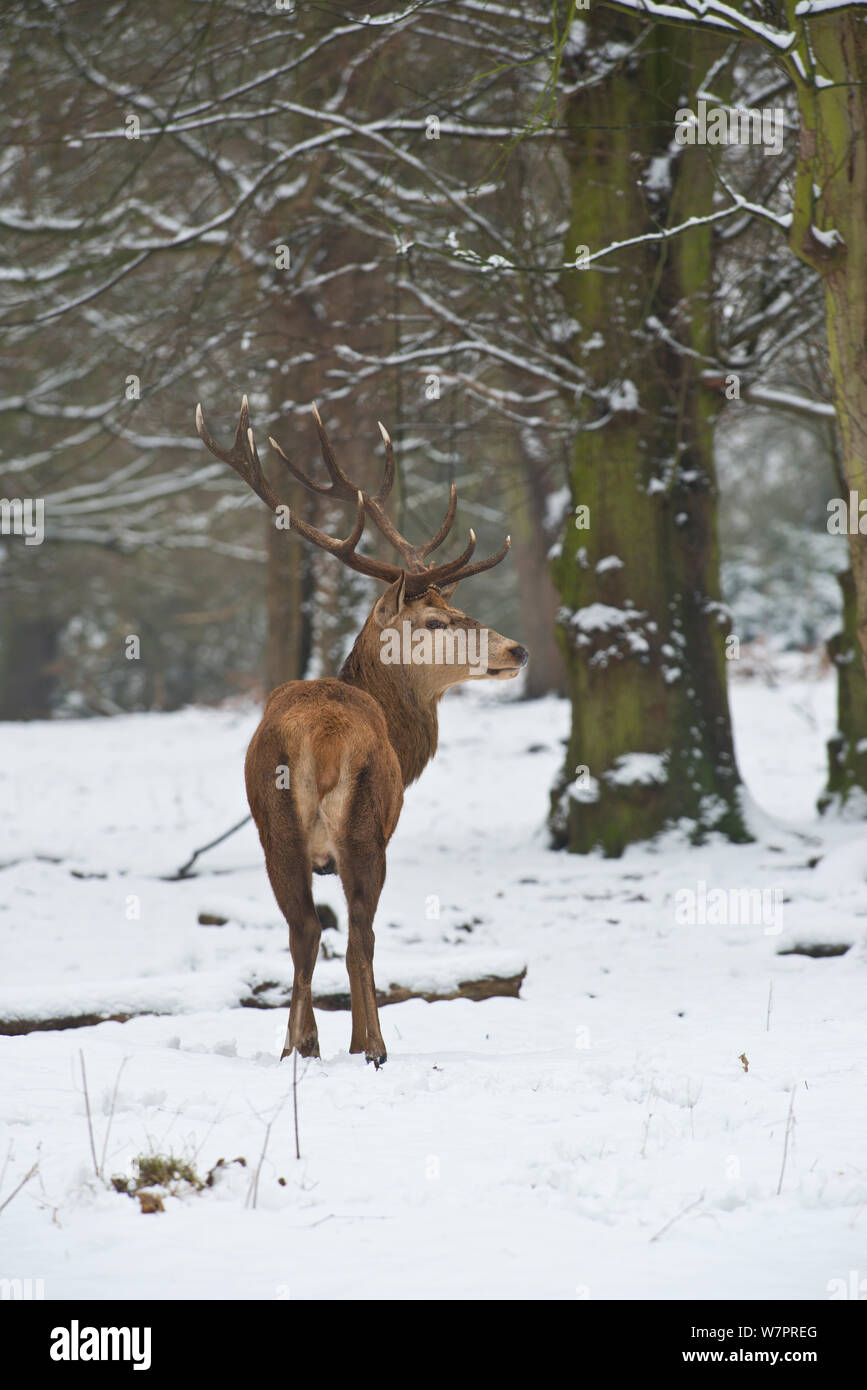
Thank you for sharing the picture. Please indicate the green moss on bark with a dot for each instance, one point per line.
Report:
(642, 627)
(847, 749)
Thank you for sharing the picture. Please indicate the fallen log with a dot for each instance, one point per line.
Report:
(270, 994)
(265, 995)
(17, 1027)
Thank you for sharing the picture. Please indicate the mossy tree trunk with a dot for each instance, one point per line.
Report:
(846, 788)
(829, 233)
(642, 626)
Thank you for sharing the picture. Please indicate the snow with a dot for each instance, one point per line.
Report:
(584, 789)
(518, 1148)
(658, 176)
(770, 395)
(805, 8)
(557, 505)
(830, 238)
(602, 617)
(623, 396)
(637, 768)
(718, 16)
(576, 39)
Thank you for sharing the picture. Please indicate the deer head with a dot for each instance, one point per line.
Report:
(447, 646)
(413, 625)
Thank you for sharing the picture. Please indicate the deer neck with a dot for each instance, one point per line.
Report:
(410, 710)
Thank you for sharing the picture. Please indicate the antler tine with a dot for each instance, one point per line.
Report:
(342, 548)
(442, 574)
(448, 523)
(388, 476)
(324, 490)
(410, 553)
(454, 572)
(460, 560)
(488, 564)
(340, 486)
(345, 549)
(242, 456)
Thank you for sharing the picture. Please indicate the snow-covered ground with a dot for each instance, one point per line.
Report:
(600, 1137)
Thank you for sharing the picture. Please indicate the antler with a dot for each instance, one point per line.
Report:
(419, 576)
(244, 458)
(343, 488)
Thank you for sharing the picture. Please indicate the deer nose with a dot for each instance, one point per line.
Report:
(520, 654)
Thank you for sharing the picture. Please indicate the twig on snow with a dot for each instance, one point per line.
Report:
(698, 1201)
(27, 1176)
(89, 1119)
(184, 870)
(789, 1127)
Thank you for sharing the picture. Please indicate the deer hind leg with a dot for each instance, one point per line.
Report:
(362, 872)
(290, 871)
(304, 933)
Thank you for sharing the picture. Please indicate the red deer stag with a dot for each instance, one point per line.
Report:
(353, 743)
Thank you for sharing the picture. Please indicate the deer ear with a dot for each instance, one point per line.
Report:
(391, 602)
(448, 590)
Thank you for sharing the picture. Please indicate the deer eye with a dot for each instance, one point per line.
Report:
(435, 622)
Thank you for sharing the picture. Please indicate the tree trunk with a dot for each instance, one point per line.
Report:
(284, 591)
(287, 641)
(546, 673)
(27, 651)
(641, 624)
(831, 197)
(846, 788)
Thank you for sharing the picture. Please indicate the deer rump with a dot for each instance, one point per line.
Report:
(345, 788)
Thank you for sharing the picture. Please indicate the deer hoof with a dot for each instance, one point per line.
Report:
(308, 1047)
(377, 1058)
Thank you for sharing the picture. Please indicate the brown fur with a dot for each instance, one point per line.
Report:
(351, 746)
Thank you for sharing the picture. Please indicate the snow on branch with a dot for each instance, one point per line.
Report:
(710, 14)
(789, 401)
(807, 8)
(741, 204)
